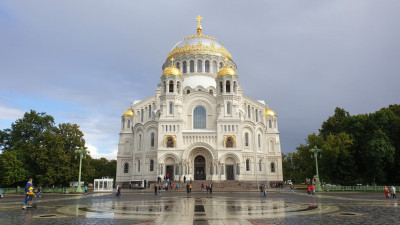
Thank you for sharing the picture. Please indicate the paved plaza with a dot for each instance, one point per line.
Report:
(219, 208)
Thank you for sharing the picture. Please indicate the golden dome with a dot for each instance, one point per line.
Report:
(199, 44)
(269, 112)
(172, 70)
(129, 112)
(226, 70)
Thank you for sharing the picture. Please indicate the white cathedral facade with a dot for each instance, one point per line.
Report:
(199, 124)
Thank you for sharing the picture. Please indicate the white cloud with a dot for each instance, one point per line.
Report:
(10, 113)
(97, 155)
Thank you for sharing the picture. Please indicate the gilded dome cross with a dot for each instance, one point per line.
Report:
(199, 28)
(172, 61)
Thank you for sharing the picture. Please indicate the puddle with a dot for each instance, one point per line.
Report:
(199, 208)
(47, 216)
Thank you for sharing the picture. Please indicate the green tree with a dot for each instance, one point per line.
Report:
(12, 171)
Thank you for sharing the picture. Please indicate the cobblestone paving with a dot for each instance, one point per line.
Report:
(220, 208)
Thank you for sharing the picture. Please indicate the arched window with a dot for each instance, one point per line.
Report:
(138, 166)
(248, 111)
(152, 139)
(141, 115)
(151, 165)
(256, 115)
(188, 92)
(272, 167)
(228, 86)
(129, 123)
(270, 123)
(184, 67)
(246, 139)
(259, 140)
(170, 143)
(171, 86)
(140, 141)
(247, 164)
(229, 142)
(199, 118)
(207, 66)
(171, 108)
(149, 111)
(221, 65)
(199, 66)
(191, 66)
(221, 86)
(259, 165)
(215, 67)
(178, 65)
(126, 167)
(228, 108)
(211, 91)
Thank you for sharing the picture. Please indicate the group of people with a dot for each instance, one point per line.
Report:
(207, 187)
(392, 192)
(311, 190)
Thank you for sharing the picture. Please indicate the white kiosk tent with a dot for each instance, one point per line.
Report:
(103, 184)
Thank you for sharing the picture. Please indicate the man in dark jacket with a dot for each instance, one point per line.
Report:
(27, 186)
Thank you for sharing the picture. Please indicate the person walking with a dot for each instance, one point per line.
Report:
(184, 179)
(190, 188)
(308, 190)
(159, 189)
(28, 185)
(394, 192)
(261, 190)
(39, 193)
(176, 186)
(118, 192)
(187, 188)
(313, 189)
(211, 186)
(85, 189)
(155, 189)
(292, 188)
(386, 192)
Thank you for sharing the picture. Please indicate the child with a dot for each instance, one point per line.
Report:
(29, 195)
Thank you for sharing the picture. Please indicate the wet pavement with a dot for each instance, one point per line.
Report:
(219, 208)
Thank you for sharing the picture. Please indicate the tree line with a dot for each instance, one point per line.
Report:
(356, 149)
(35, 147)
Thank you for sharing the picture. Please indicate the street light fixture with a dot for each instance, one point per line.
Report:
(82, 155)
(315, 152)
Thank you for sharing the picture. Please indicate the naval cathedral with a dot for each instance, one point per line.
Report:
(199, 123)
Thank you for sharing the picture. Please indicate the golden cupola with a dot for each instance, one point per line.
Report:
(269, 112)
(199, 44)
(172, 70)
(226, 71)
(128, 112)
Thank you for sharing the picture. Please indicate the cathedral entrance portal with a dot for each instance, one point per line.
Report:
(229, 172)
(199, 168)
(169, 172)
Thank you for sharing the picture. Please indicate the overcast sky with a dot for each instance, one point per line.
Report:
(83, 62)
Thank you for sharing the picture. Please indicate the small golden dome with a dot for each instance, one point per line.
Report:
(269, 112)
(226, 70)
(129, 112)
(172, 70)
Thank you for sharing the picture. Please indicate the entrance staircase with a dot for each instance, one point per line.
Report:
(218, 186)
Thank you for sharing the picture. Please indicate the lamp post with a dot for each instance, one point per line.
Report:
(82, 154)
(315, 151)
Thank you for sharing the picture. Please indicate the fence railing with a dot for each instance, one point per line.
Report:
(357, 188)
(20, 190)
